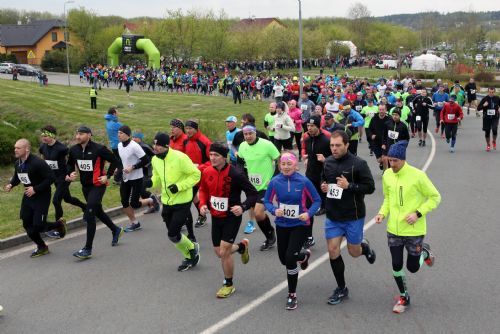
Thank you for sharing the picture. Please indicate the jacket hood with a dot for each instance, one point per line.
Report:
(112, 118)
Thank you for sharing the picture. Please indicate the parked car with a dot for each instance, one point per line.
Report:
(25, 69)
(6, 67)
(387, 64)
(479, 57)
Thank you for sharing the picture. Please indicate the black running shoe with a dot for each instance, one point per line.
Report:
(83, 254)
(116, 236)
(305, 263)
(40, 252)
(309, 243)
(200, 221)
(269, 243)
(368, 252)
(185, 265)
(430, 258)
(291, 302)
(156, 202)
(420, 142)
(338, 295)
(195, 254)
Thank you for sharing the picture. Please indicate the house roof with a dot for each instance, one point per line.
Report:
(26, 34)
(256, 23)
(60, 45)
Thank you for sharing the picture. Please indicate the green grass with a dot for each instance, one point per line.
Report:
(28, 107)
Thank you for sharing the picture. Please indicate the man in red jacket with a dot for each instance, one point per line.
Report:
(177, 135)
(197, 148)
(220, 195)
(451, 115)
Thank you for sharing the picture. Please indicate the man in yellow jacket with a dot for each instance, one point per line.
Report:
(176, 174)
(409, 196)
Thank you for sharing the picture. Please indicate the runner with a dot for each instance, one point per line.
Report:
(352, 120)
(368, 112)
(307, 106)
(112, 126)
(346, 181)
(178, 135)
(451, 116)
(470, 89)
(36, 177)
(269, 121)
(376, 133)
(422, 104)
(90, 158)
(395, 131)
(296, 202)
(230, 133)
(54, 153)
(283, 127)
(220, 194)
(295, 114)
(439, 98)
(489, 105)
(176, 174)
(258, 155)
(409, 196)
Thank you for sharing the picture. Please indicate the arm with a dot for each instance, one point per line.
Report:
(70, 165)
(385, 208)
(429, 191)
(191, 172)
(47, 175)
(251, 193)
(269, 197)
(314, 196)
(14, 180)
(107, 155)
(288, 124)
(156, 179)
(203, 193)
(358, 120)
(366, 184)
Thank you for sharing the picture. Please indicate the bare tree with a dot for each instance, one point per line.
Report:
(359, 24)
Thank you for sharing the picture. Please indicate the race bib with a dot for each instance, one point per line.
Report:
(52, 164)
(451, 117)
(418, 118)
(278, 125)
(371, 114)
(23, 177)
(490, 112)
(303, 107)
(393, 134)
(440, 104)
(290, 211)
(85, 165)
(334, 191)
(473, 91)
(255, 179)
(411, 105)
(229, 143)
(358, 108)
(219, 203)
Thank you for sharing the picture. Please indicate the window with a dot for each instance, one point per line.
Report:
(54, 37)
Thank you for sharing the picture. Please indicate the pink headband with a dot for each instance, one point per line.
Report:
(288, 157)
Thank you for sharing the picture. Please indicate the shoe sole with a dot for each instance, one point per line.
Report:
(184, 269)
(245, 257)
(336, 303)
(38, 255)
(82, 257)
(249, 232)
(290, 308)
(126, 230)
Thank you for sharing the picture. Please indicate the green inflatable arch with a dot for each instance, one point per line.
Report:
(144, 44)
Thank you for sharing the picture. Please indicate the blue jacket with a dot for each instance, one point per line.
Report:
(230, 137)
(295, 189)
(440, 99)
(112, 126)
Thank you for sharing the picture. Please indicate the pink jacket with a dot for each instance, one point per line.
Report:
(295, 116)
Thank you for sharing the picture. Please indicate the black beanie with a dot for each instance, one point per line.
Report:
(219, 148)
(126, 130)
(162, 139)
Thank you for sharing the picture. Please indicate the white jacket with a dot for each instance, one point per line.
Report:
(283, 125)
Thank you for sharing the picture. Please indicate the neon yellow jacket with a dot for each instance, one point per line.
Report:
(176, 169)
(405, 192)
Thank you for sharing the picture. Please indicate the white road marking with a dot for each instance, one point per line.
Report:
(319, 261)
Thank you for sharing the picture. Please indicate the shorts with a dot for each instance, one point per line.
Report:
(413, 245)
(351, 230)
(471, 98)
(225, 229)
(378, 150)
(490, 124)
(260, 196)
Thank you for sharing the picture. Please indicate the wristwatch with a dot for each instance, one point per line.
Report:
(419, 215)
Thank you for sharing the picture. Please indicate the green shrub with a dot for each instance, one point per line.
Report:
(484, 77)
(8, 58)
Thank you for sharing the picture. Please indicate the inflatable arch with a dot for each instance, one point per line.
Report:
(129, 44)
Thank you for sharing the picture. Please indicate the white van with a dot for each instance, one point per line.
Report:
(387, 64)
(479, 57)
(6, 67)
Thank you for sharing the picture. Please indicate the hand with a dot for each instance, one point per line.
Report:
(441, 122)
(173, 188)
(102, 179)
(320, 157)
(379, 218)
(324, 187)
(128, 170)
(485, 103)
(278, 213)
(71, 177)
(204, 210)
(342, 182)
(373, 137)
(237, 210)
(8, 187)
(383, 147)
(411, 218)
(304, 216)
(29, 191)
(424, 104)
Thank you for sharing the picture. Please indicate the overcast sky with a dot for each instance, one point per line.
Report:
(257, 8)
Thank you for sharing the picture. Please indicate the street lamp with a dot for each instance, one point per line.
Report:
(399, 62)
(301, 74)
(65, 38)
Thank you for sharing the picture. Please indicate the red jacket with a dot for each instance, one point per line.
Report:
(303, 149)
(197, 149)
(451, 113)
(178, 144)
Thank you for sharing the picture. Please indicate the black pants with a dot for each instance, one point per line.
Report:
(130, 193)
(34, 216)
(451, 131)
(174, 217)
(237, 97)
(298, 137)
(283, 144)
(422, 124)
(412, 261)
(437, 116)
(290, 242)
(118, 166)
(353, 146)
(146, 183)
(63, 193)
(93, 196)
(93, 102)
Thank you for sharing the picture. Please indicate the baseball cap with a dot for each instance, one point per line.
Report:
(232, 119)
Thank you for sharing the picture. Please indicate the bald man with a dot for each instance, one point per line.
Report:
(36, 177)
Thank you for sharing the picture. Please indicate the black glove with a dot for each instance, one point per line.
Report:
(173, 188)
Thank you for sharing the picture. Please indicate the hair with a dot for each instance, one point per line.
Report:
(342, 134)
(249, 118)
(382, 104)
(25, 142)
(112, 111)
(49, 128)
(491, 88)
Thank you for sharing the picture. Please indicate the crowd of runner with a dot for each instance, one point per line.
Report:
(327, 125)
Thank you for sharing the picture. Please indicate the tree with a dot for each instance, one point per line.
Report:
(86, 25)
(360, 24)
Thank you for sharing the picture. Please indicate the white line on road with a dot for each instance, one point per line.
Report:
(269, 294)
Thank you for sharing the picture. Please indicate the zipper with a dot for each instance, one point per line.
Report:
(400, 195)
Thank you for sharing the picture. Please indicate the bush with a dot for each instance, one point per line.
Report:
(484, 77)
(54, 61)
(8, 58)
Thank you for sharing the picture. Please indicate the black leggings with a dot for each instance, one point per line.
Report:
(451, 131)
(298, 137)
(62, 193)
(144, 189)
(93, 196)
(290, 242)
(423, 124)
(283, 144)
(34, 215)
(412, 261)
(130, 193)
(174, 217)
(437, 116)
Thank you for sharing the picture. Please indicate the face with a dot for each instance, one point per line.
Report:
(20, 149)
(359, 96)
(287, 167)
(303, 96)
(137, 140)
(338, 148)
(396, 164)
(159, 149)
(329, 121)
(491, 92)
(312, 129)
(122, 136)
(230, 125)
(46, 139)
(190, 131)
(272, 107)
(330, 99)
(396, 117)
(175, 131)
(82, 137)
(292, 104)
(347, 109)
(317, 110)
(424, 92)
(382, 111)
(217, 160)
(250, 136)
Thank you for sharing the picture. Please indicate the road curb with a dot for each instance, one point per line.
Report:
(71, 225)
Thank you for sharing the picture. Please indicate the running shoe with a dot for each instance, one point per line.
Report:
(40, 252)
(402, 304)
(370, 253)
(83, 254)
(488, 148)
(436, 130)
(309, 243)
(447, 141)
(200, 221)
(305, 263)
(62, 227)
(430, 258)
(150, 210)
(245, 256)
(116, 236)
(371, 153)
(269, 243)
(420, 142)
(52, 234)
(291, 302)
(423, 143)
(494, 145)
(452, 150)
(195, 254)
(156, 202)
(250, 227)
(185, 265)
(226, 291)
(133, 227)
(1, 309)
(338, 295)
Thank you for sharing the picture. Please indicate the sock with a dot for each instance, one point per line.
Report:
(338, 269)
(241, 248)
(184, 246)
(228, 281)
(292, 276)
(265, 227)
(400, 278)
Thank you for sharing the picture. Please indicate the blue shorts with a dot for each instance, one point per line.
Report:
(352, 230)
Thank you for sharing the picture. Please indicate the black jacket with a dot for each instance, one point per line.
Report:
(493, 104)
(34, 172)
(377, 128)
(400, 128)
(319, 144)
(420, 109)
(55, 156)
(351, 206)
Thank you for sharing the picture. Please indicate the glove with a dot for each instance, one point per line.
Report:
(173, 188)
